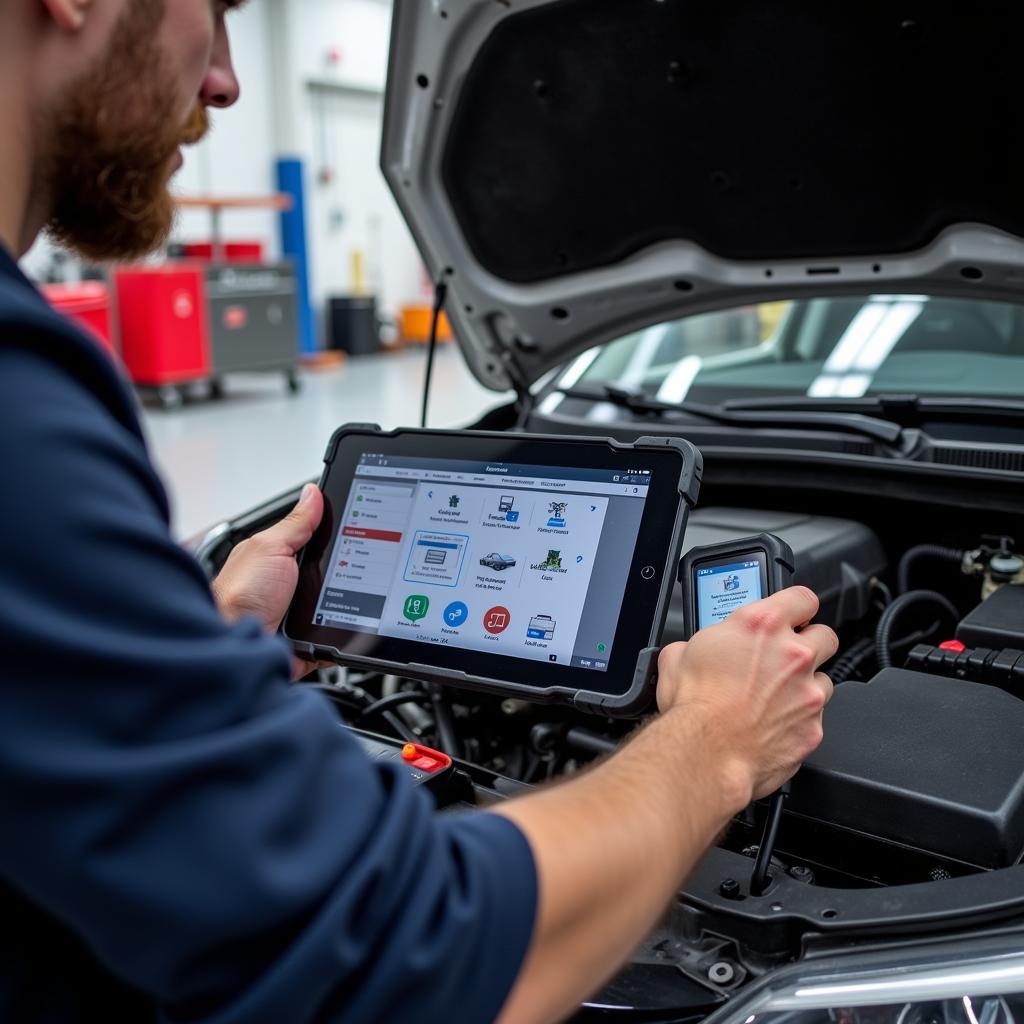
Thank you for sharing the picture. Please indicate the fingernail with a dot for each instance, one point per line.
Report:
(307, 493)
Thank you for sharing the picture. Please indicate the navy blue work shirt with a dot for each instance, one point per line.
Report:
(185, 835)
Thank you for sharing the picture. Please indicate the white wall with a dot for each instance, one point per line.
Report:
(298, 100)
(238, 157)
(338, 54)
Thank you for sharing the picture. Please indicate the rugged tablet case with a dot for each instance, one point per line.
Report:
(641, 691)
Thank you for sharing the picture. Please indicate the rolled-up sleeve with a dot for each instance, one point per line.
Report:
(208, 830)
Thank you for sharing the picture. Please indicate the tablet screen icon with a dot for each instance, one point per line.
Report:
(455, 614)
(542, 627)
(497, 620)
(556, 509)
(416, 607)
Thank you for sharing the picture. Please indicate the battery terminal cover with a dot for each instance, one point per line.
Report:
(424, 758)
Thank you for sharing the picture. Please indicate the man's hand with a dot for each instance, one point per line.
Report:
(753, 681)
(261, 573)
(742, 707)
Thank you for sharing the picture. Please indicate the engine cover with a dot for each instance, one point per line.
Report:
(929, 762)
(836, 558)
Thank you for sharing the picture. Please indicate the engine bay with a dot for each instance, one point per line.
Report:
(919, 778)
(909, 811)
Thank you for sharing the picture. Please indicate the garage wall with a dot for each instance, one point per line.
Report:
(238, 157)
(339, 52)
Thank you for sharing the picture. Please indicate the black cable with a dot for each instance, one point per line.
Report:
(847, 663)
(378, 707)
(885, 624)
(759, 877)
(357, 698)
(915, 554)
(440, 294)
(447, 737)
(883, 590)
(591, 742)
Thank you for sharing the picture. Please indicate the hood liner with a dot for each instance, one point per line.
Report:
(588, 130)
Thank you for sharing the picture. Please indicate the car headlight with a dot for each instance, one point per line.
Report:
(960, 985)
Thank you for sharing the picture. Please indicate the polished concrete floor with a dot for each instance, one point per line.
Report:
(221, 458)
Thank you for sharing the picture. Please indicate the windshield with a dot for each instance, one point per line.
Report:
(820, 348)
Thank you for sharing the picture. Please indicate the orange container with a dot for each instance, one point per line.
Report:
(414, 325)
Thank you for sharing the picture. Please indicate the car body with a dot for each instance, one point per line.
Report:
(794, 237)
(497, 561)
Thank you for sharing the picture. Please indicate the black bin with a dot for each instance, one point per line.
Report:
(352, 325)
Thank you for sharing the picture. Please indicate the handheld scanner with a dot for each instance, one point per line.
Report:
(720, 578)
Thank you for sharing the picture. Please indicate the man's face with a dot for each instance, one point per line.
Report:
(117, 129)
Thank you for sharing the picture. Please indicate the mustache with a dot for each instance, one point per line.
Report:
(197, 127)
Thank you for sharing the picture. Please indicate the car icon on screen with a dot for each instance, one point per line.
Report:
(497, 562)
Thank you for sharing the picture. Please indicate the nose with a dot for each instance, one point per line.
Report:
(220, 87)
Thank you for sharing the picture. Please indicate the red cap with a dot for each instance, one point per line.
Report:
(952, 645)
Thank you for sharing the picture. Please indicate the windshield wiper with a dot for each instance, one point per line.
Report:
(813, 417)
(907, 410)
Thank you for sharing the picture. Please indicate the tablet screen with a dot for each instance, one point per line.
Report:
(521, 560)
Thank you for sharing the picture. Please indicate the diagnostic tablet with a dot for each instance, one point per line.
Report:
(527, 566)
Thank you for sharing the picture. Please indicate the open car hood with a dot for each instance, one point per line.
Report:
(576, 169)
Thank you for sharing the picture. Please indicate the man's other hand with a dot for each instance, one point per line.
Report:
(260, 575)
(754, 684)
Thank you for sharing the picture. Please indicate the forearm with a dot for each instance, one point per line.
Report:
(611, 848)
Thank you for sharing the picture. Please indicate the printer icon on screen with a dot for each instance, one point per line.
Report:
(542, 627)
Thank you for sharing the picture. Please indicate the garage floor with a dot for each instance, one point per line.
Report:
(222, 458)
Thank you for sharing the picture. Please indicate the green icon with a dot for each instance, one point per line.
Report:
(601, 648)
(359, 498)
(553, 561)
(416, 607)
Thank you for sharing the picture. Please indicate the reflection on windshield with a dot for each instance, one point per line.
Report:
(873, 333)
(830, 348)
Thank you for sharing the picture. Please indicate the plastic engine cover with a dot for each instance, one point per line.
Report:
(925, 761)
(836, 558)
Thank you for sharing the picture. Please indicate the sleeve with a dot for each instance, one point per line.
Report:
(205, 827)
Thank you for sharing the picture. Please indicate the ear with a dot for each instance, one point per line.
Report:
(68, 14)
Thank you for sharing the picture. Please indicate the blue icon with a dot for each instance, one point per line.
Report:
(732, 583)
(579, 559)
(512, 517)
(593, 508)
(556, 509)
(430, 494)
(455, 614)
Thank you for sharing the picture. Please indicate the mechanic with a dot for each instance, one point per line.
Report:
(186, 835)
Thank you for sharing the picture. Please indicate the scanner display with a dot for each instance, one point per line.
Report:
(721, 589)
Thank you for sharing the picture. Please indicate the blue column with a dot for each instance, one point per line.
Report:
(291, 180)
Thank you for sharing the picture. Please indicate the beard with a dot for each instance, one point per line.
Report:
(115, 133)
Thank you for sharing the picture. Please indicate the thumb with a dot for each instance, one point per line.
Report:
(295, 530)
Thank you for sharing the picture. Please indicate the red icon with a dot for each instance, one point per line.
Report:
(497, 620)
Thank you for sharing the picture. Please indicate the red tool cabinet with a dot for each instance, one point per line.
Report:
(165, 337)
(88, 304)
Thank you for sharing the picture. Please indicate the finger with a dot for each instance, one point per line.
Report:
(797, 605)
(670, 656)
(826, 684)
(295, 530)
(822, 640)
